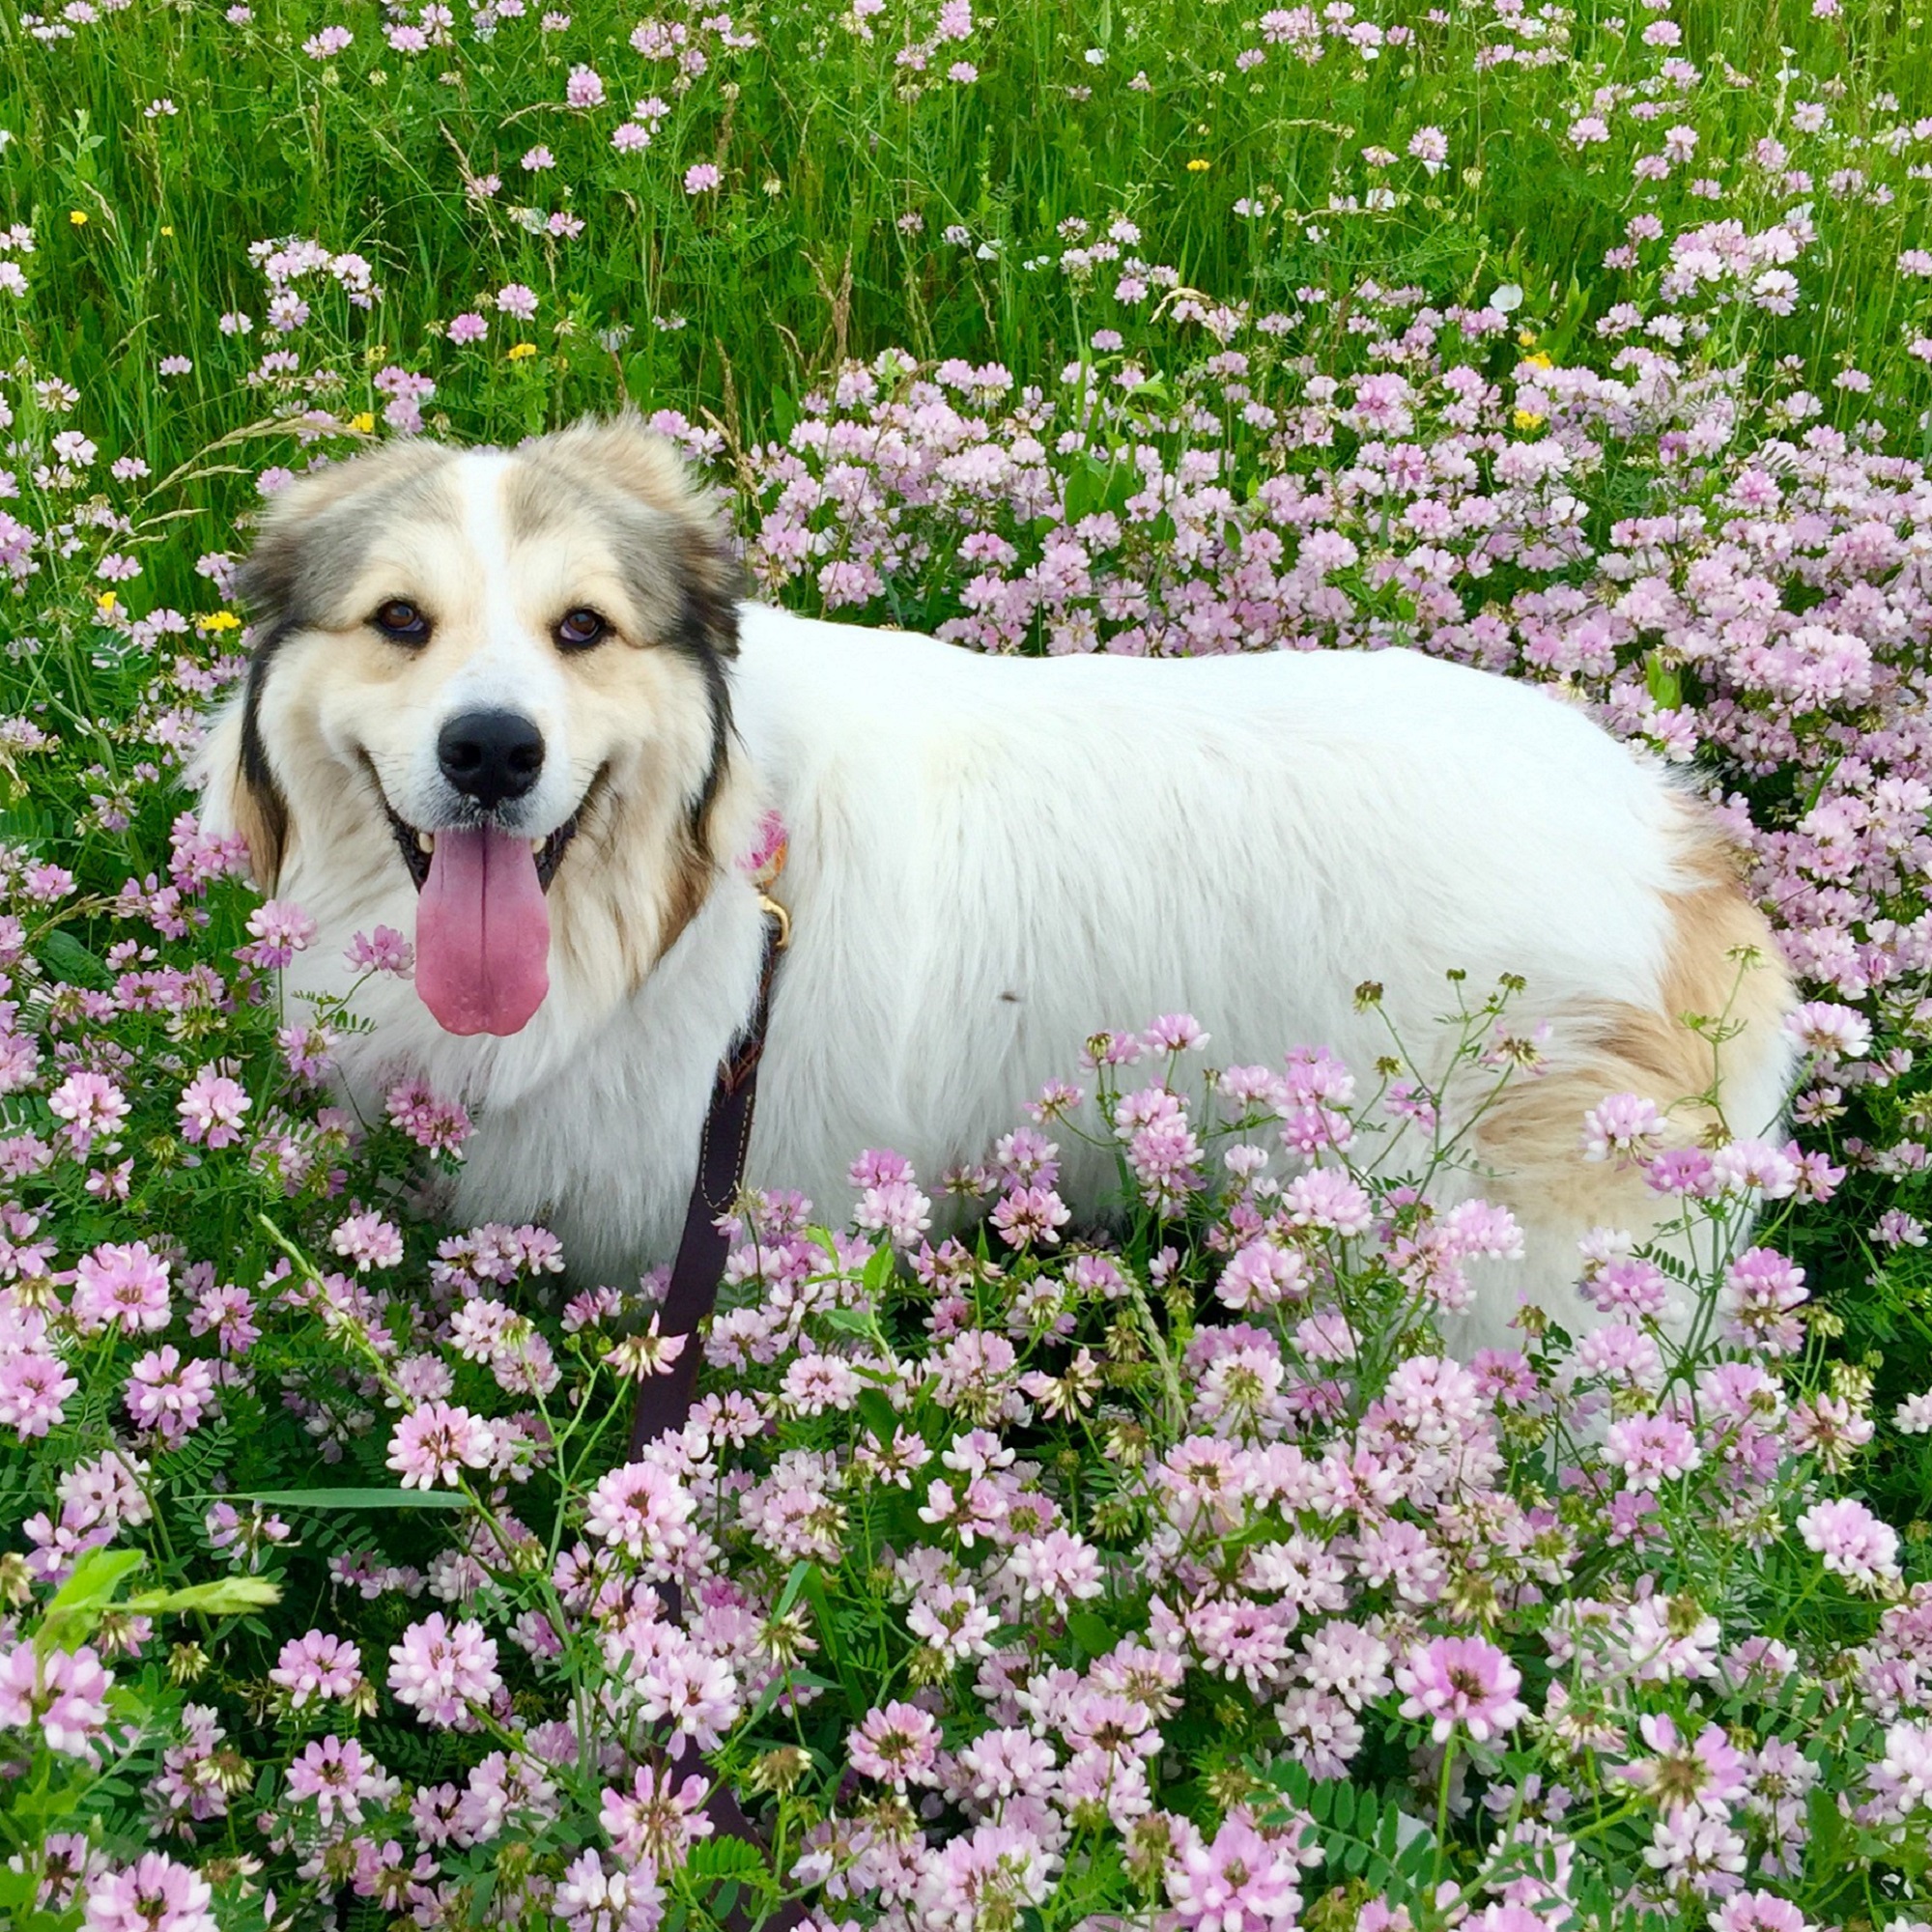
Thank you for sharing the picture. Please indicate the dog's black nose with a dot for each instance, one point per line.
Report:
(491, 755)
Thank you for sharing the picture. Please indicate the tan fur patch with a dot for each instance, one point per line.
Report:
(686, 888)
(258, 815)
(261, 820)
(1723, 969)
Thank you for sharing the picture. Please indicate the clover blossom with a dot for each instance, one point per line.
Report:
(1463, 1682)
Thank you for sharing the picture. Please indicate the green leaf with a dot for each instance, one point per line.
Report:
(794, 1583)
(225, 1596)
(1091, 1633)
(881, 1418)
(67, 958)
(1086, 488)
(1666, 687)
(813, 1586)
(76, 1606)
(1357, 1830)
(1342, 1810)
(94, 1580)
(1825, 1842)
(718, 1857)
(49, 1804)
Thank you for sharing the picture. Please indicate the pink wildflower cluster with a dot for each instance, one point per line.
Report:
(1298, 1533)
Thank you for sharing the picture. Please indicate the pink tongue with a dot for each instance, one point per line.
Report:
(482, 933)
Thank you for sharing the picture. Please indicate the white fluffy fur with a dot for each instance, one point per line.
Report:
(992, 859)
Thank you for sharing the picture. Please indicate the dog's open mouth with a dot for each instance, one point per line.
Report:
(418, 848)
(482, 922)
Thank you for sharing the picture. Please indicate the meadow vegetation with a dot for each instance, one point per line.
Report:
(1029, 1579)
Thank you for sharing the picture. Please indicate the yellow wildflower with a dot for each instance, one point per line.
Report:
(1529, 419)
(362, 422)
(1539, 360)
(78, 216)
(1198, 167)
(523, 350)
(221, 621)
(105, 603)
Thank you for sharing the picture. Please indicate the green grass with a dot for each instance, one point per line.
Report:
(798, 258)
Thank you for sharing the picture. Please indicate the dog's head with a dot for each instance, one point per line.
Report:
(500, 677)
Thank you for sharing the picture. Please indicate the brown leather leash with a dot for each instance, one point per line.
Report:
(664, 1402)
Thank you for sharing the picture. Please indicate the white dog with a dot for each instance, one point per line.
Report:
(507, 700)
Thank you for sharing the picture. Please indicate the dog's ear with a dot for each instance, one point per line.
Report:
(240, 792)
(235, 801)
(625, 454)
(310, 537)
(313, 530)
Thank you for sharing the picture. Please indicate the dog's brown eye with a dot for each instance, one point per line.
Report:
(400, 619)
(578, 630)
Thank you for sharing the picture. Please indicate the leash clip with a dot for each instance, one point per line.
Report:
(780, 916)
(763, 864)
